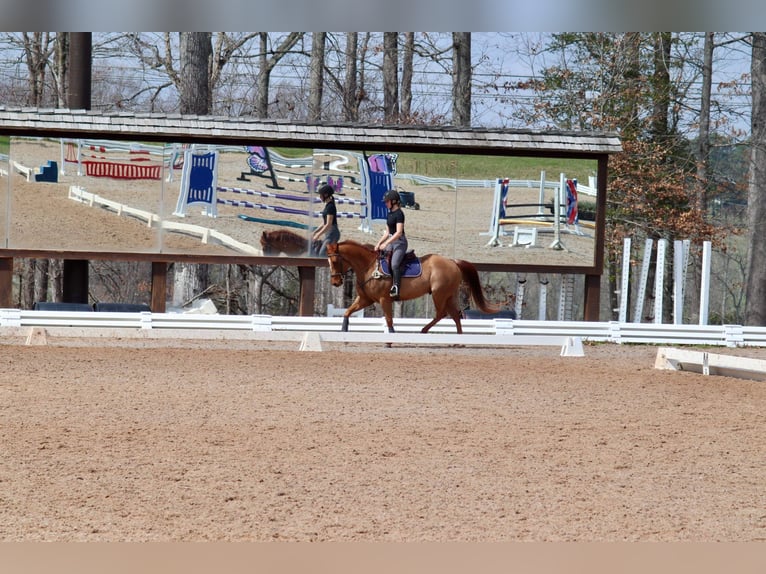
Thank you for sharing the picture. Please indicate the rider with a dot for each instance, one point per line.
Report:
(394, 239)
(328, 232)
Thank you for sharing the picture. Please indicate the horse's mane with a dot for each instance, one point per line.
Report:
(367, 246)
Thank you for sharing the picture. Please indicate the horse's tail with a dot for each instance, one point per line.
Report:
(471, 278)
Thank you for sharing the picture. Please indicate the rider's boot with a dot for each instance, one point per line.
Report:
(397, 274)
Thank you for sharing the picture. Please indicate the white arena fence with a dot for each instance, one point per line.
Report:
(489, 332)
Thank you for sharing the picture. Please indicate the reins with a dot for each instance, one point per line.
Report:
(360, 284)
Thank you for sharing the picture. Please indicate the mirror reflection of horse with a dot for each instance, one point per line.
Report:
(287, 242)
(440, 276)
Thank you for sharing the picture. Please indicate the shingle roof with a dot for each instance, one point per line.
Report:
(172, 128)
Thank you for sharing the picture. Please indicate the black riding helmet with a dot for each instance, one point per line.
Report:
(325, 191)
(392, 195)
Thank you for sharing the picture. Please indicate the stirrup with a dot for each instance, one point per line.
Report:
(394, 292)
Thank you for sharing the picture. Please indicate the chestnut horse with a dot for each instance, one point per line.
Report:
(441, 277)
(287, 242)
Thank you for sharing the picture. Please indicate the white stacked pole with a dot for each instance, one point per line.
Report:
(520, 284)
(541, 201)
(542, 303)
(705, 283)
(623, 314)
(680, 266)
(641, 295)
(558, 194)
(659, 279)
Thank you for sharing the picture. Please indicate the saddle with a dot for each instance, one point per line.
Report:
(410, 264)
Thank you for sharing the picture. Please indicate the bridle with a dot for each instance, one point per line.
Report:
(342, 273)
(332, 257)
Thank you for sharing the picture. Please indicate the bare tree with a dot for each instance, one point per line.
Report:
(61, 68)
(408, 52)
(267, 61)
(390, 77)
(316, 76)
(195, 52)
(461, 78)
(661, 85)
(755, 313)
(350, 102)
(38, 49)
(703, 141)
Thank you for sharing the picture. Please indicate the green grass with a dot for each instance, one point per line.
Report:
(490, 167)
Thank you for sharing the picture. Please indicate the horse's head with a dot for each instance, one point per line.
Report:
(266, 246)
(336, 265)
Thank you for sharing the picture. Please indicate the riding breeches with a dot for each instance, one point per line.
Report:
(398, 250)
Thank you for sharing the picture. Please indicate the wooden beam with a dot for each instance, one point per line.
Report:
(592, 301)
(6, 282)
(159, 286)
(307, 277)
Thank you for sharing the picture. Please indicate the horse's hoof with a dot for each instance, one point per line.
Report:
(391, 330)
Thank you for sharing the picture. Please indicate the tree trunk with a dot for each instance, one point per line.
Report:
(62, 68)
(408, 51)
(461, 78)
(391, 77)
(703, 141)
(263, 79)
(703, 158)
(316, 76)
(196, 51)
(189, 280)
(661, 85)
(350, 102)
(755, 309)
(266, 65)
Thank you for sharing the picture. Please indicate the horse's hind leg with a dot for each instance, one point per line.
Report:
(440, 314)
(455, 314)
(444, 307)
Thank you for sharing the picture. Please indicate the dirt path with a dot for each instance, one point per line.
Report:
(218, 442)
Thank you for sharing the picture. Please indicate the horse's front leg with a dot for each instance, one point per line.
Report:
(359, 303)
(388, 311)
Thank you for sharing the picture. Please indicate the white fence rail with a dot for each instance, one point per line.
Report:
(484, 331)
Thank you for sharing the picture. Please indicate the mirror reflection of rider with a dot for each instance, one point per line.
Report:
(328, 232)
(394, 239)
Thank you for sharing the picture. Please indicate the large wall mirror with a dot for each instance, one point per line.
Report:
(121, 196)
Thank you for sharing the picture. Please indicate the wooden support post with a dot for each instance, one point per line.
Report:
(307, 277)
(592, 297)
(6, 282)
(159, 286)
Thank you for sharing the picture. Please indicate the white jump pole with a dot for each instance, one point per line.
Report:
(541, 201)
(557, 214)
(520, 285)
(659, 279)
(705, 283)
(639, 309)
(543, 302)
(678, 282)
(625, 281)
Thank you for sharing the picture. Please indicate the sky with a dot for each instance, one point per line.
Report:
(388, 15)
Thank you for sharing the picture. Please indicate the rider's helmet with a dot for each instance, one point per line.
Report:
(325, 191)
(392, 195)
